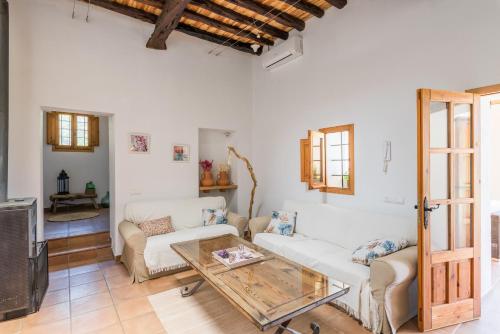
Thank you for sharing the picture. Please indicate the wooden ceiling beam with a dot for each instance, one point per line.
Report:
(235, 16)
(271, 13)
(306, 7)
(189, 14)
(167, 21)
(152, 19)
(337, 3)
(207, 36)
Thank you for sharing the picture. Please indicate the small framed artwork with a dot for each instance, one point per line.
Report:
(139, 143)
(180, 153)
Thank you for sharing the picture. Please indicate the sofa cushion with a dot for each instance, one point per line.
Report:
(159, 256)
(274, 242)
(156, 227)
(185, 213)
(282, 222)
(348, 227)
(214, 216)
(367, 253)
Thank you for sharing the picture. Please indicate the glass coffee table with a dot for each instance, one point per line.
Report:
(270, 293)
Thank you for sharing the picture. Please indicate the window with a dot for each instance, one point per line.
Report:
(327, 159)
(72, 132)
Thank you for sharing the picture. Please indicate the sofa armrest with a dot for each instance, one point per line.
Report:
(258, 225)
(237, 221)
(392, 279)
(133, 236)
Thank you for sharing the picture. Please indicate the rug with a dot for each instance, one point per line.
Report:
(66, 217)
(208, 312)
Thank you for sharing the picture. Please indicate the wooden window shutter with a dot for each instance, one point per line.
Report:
(305, 160)
(317, 175)
(94, 131)
(52, 129)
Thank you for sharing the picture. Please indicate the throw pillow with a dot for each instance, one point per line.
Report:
(282, 222)
(374, 249)
(156, 226)
(214, 216)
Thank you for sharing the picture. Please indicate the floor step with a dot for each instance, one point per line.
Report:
(79, 250)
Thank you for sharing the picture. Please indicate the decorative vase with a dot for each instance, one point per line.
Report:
(207, 180)
(105, 200)
(223, 179)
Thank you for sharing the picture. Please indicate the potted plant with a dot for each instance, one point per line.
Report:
(207, 179)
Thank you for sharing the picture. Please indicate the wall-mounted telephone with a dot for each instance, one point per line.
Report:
(387, 155)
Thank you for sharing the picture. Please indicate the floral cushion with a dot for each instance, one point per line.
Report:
(156, 226)
(282, 222)
(374, 249)
(214, 216)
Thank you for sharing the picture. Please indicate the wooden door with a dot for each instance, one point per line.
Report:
(449, 274)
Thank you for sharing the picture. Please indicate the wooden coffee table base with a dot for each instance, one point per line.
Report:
(190, 290)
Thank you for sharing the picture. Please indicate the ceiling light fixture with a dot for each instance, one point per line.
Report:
(255, 47)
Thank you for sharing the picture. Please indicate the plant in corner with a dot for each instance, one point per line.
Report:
(207, 179)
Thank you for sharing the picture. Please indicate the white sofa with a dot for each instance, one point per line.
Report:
(382, 296)
(147, 258)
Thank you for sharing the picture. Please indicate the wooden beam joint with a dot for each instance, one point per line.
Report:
(166, 23)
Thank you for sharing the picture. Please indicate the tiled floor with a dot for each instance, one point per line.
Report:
(99, 298)
(78, 227)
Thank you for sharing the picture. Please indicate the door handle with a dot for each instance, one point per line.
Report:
(427, 210)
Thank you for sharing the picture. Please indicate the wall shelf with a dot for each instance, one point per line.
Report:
(218, 188)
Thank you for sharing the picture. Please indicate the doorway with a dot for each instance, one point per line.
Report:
(76, 187)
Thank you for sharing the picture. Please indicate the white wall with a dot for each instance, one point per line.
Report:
(495, 151)
(104, 67)
(363, 65)
(81, 167)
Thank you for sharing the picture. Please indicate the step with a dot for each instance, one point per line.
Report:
(78, 250)
(78, 242)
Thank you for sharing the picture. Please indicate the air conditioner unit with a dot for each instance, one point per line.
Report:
(284, 53)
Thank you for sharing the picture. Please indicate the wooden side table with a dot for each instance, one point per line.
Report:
(57, 199)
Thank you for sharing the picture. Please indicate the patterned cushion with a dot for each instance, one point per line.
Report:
(156, 226)
(377, 248)
(282, 222)
(214, 216)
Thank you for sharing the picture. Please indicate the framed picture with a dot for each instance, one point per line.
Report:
(180, 153)
(139, 143)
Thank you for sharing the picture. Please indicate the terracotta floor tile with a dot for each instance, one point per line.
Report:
(86, 278)
(132, 308)
(58, 274)
(117, 269)
(113, 329)
(162, 284)
(47, 315)
(11, 326)
(105, 264)
(83, 269)
(55, 297)
(144, 324)
(57, 327)
(90, 303)
(129, 292)
(118, 281)
(58, 284)
(95, 320)
(87, 289)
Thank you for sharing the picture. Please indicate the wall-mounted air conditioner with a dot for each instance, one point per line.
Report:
(284, 53)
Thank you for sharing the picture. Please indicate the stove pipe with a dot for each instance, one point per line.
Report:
(4, 96)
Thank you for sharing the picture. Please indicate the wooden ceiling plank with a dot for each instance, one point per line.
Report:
(152, 19)
(271, 13)
(125, 10)
(337, 3)
(225, 27)
(240, 46)
(306, 7)
(243, 19)
(166, 23)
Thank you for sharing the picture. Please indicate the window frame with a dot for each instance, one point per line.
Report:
(53, 135)
(335, 129)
